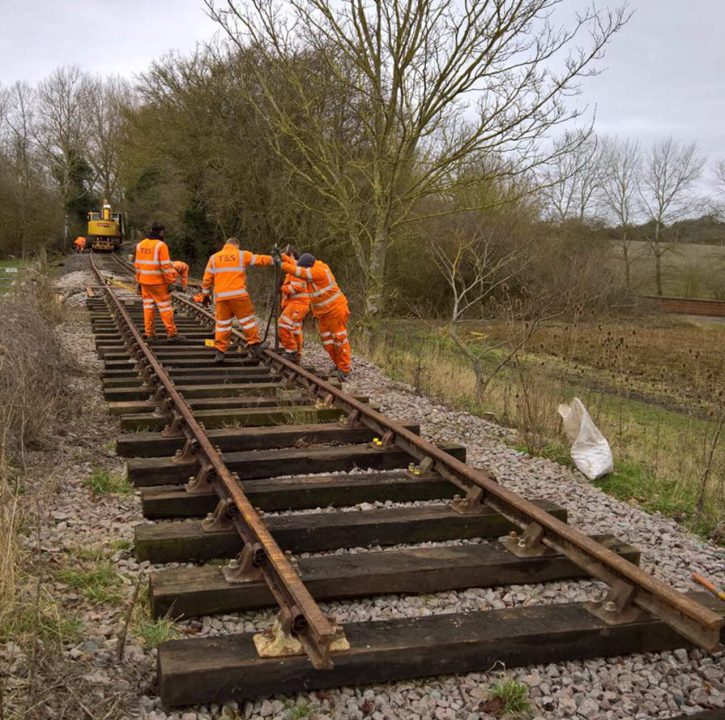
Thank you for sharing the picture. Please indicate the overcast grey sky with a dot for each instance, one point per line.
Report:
(665, 71)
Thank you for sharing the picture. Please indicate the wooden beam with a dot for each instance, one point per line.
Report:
(184, 592)
(249, 465)
(314, 532)
(218, 669)
(244, 417)
(299, 493)
(153, 444)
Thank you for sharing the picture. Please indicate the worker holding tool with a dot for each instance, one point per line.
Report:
(295, 306)
(154, 274)
(80, 243)
(329, 306)
(182, 273)
(226, 273)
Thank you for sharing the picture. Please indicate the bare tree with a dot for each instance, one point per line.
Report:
(417, 67)
(570, 180)
(472, 264)
(669, 173)
(62, 133)
(618, 192)
(107, 99)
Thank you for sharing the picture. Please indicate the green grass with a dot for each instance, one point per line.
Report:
(103, 482)
(100, 584)
(155, 632)
(117, 545)
(514, 698)
(295, 711)
(46, 623)
(659, 452)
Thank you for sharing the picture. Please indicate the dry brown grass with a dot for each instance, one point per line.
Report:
(33, 401)
(657, 403)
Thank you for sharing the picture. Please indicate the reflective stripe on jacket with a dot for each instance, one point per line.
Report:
(153, 264)
(226, 272)
(295, 290)
(325, 295)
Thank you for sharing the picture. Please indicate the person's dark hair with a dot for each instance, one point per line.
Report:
(157, 228)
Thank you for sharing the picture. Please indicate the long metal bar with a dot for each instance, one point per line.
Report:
(311, 625)
(689, 618)
(696, 622)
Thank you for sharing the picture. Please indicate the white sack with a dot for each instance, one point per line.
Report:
(590, 450)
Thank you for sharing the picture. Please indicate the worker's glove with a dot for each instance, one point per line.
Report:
(206, 300)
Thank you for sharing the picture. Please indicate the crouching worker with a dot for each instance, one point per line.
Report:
(226, 273)
(182, 273)
(329, 306)
(80, 243)
(295, 306)
(154, 274)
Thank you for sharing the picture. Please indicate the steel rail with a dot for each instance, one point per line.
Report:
(692, 620)
(306, 620)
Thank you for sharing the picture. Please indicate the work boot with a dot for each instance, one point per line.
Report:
(219, 357)
(257, 349)
(176, 339)
(340, 375)
(149, 339)
(290, 355)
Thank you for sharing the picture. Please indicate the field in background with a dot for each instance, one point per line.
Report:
(653, 386)
(688, 270)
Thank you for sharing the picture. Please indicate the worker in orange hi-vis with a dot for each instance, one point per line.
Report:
(329, 306)
(226, 273)
(154, 274)
(182, 273)
(80, 243)
(295, 306)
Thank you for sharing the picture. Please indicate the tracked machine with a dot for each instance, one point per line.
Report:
(105, 229)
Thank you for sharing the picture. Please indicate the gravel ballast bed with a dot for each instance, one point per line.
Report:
(656, 685)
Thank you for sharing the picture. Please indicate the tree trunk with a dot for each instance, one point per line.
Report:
(658, 272)
(376, 270)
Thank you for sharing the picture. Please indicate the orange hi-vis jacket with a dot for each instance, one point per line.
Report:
(153, 264)
(182, 270)
(325, 295)
(226, 271)
(294, 290)
(80, 242)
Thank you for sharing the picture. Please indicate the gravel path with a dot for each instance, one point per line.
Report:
(653, 685)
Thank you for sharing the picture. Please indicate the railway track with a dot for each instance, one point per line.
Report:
(235, 462)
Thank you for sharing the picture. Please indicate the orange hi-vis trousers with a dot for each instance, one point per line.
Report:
(226, 311)
(157, 295)
(289, 326)
(333, 334)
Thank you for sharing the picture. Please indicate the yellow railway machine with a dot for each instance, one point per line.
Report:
(105, 229)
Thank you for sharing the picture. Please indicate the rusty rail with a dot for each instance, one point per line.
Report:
(300, 613)
(689, 618)
(692, 620)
